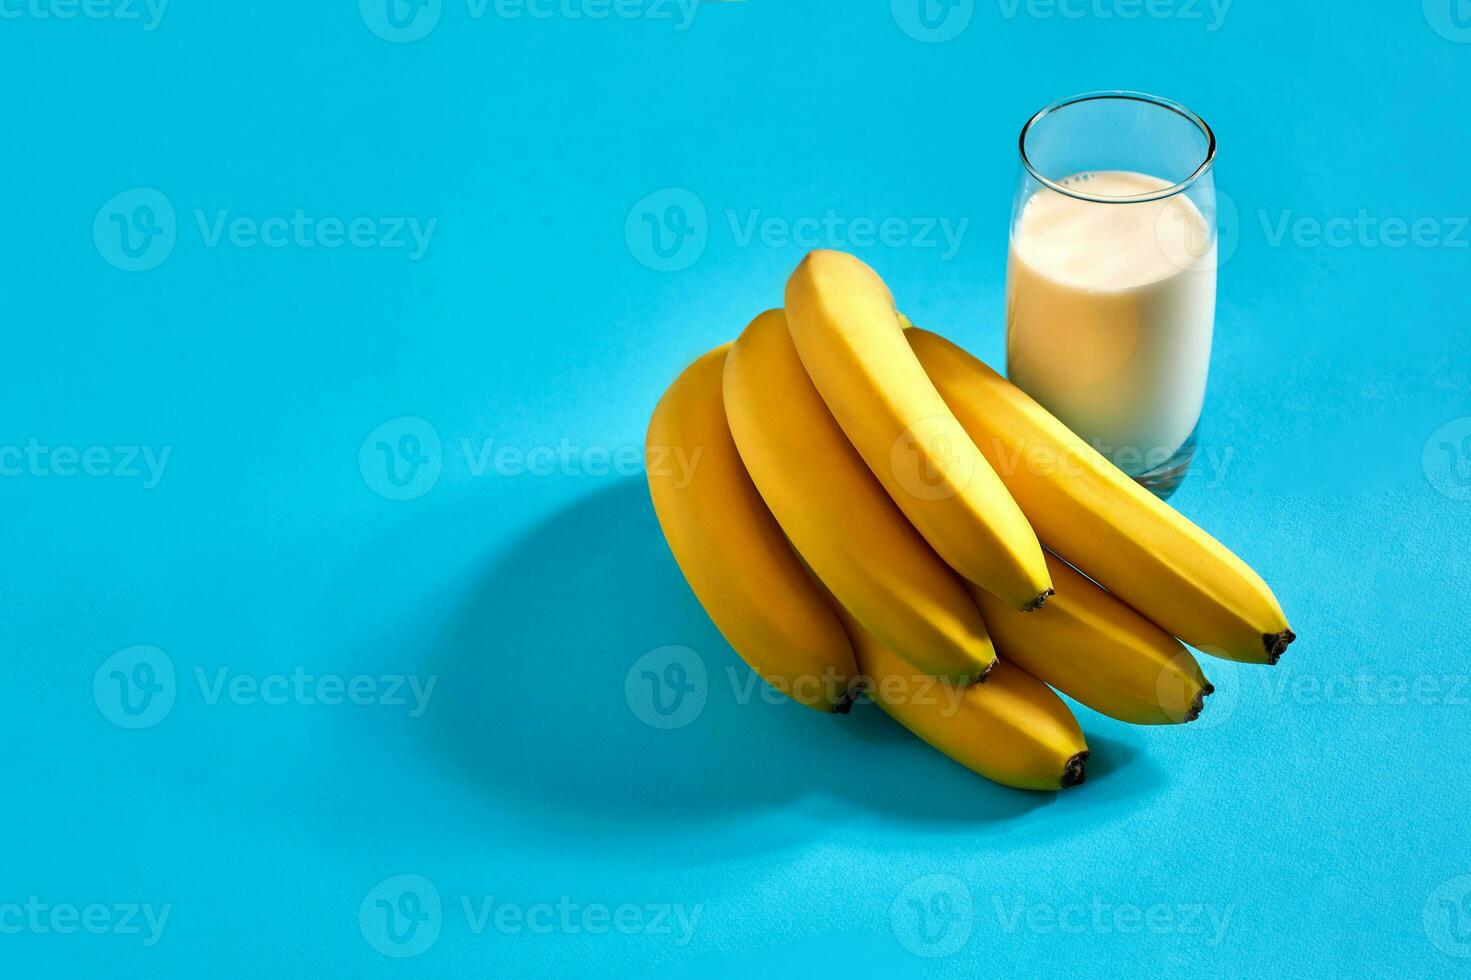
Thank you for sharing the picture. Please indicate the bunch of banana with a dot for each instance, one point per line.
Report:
(869, 509)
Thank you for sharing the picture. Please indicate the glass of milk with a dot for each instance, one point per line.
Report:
(1111, 279)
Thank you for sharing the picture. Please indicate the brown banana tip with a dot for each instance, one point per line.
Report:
(850, 697)
(981, 677)
(1039, 602)
(1276, 644)
(1199, 703)
(1074, 773)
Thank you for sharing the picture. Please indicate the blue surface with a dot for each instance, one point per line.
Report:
(1313, 823)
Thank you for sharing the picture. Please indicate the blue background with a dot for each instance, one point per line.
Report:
(1318, 806)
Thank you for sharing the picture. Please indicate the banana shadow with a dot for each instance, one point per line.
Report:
(570, 695)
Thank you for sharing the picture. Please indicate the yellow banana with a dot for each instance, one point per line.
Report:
(851, 341)
(1012, 729)
(1085, 509)
(733, 553)
(837, 515)
(1093, 648)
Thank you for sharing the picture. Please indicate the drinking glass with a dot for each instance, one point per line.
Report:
(1111, 276)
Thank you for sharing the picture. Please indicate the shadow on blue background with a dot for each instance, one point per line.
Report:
(534, 713)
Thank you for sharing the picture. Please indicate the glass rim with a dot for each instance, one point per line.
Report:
(1125, 96)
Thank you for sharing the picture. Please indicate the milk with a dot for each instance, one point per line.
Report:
(1109, 314)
